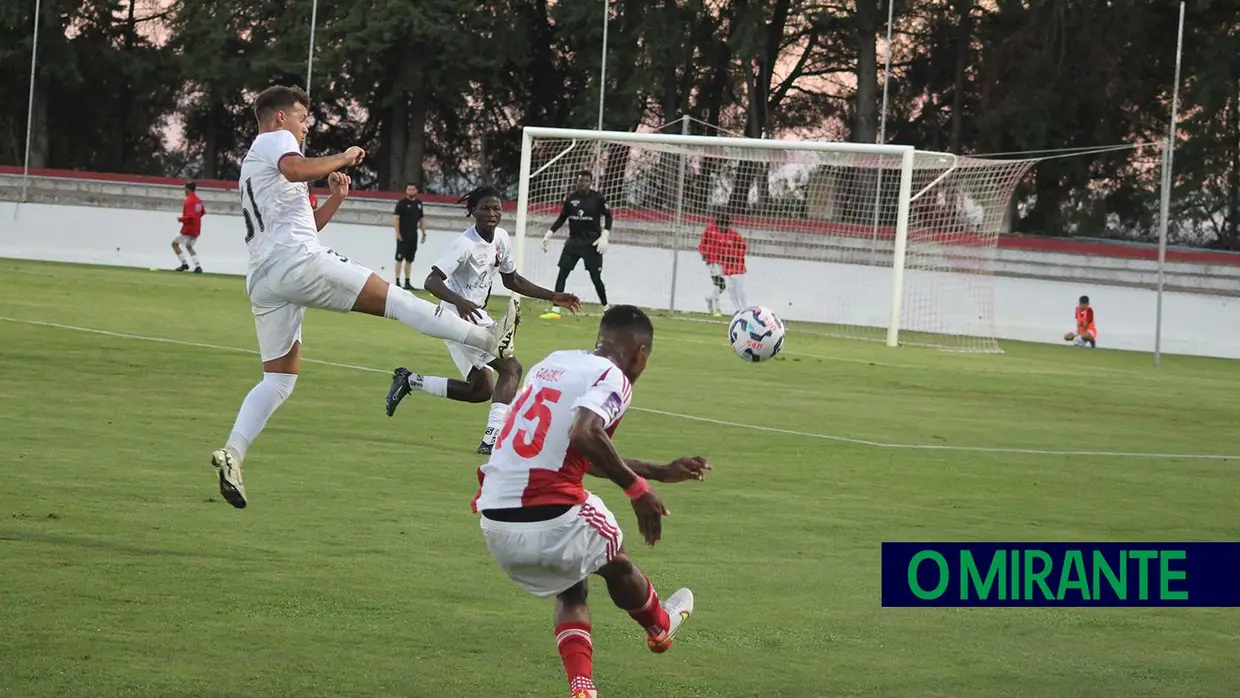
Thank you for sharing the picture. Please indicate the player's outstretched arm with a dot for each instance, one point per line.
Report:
(519, 284)
(589, 436)
(296, 168)
(679, 470)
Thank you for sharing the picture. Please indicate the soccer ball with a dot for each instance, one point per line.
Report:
(756, 333)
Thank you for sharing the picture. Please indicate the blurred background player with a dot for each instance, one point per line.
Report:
(1086, 332)
(291, 270)
(544, 529)
(462, 280)
(192, 212)
(408, 219)
(589, 227)
(723, 250)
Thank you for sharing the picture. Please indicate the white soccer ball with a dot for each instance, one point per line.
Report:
(756, 333)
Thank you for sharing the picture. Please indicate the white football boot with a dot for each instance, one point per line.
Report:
(679, 607)
(229, 468)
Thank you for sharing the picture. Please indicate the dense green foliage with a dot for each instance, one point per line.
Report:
(438, 90)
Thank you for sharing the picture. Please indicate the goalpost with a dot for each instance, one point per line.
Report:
(879, 242)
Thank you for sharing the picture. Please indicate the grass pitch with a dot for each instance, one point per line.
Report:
(358, 569)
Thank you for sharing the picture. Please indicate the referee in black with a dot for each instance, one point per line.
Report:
(589, 226)
(408, 219)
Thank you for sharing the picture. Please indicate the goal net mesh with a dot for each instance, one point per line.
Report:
(818, 226)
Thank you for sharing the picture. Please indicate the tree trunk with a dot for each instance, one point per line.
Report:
(1233, 174)
(383, 164)
(415, 142)
(865, 121)
(211, 138)
(125, 97)
(964, 37)
(40, 137)
(397, 142)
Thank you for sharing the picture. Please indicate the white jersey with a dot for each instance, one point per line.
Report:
(471, 263)
(533, 462)
(277, 212)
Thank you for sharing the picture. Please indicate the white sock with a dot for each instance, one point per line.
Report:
(261, 402)
(495, 422)
(736, 287)
(194, 258)
(429, 319)
(714, 298)
(181, 257)
(431, 385)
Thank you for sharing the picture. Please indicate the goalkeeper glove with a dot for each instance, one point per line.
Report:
(601, 243)
(547, 239)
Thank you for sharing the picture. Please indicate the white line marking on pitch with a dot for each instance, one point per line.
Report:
(678, 415)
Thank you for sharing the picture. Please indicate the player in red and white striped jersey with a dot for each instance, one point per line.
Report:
(546, 531)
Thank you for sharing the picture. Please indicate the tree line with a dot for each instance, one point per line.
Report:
(438, 90)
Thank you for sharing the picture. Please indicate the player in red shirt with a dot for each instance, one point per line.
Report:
(723, 250)
(1086, 331)
(541, 525)
(192, 212)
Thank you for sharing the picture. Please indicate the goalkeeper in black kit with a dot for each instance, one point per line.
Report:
(589, 226)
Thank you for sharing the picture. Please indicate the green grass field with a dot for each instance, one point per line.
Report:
(358, 569)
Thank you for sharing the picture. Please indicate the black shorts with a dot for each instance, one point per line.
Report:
(406, 247)
(583, 251)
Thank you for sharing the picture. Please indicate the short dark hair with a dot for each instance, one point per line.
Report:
(627, 318)
(278, 98)
(191, 186)
(1084, 299)
(585, 173)
(475, 197)
(413, 184)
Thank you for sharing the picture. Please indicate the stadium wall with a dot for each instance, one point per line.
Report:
(1038, 310)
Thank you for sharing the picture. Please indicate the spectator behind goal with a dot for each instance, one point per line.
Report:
(723, 250)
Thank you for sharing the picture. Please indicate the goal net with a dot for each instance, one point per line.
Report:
(850, 240)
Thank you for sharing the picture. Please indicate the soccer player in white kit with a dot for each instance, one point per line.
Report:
(290, 270)
(541, 525)
(462, 280)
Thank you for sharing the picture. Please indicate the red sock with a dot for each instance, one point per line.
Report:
(651, 615)
(573, 642)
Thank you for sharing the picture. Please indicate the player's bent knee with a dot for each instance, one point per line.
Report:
(509, 367)
(289, 364)
(619, 566)
(480, 386)
(575, 595)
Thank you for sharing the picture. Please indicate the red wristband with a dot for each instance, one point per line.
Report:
(638, 489)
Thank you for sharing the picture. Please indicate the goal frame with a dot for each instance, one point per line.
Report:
(905, 152)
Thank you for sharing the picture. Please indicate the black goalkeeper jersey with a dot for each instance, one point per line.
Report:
(587, 216)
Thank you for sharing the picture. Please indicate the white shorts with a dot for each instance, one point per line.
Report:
(549, 557)
(185, 240)
(465, 357)
(297, 279)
